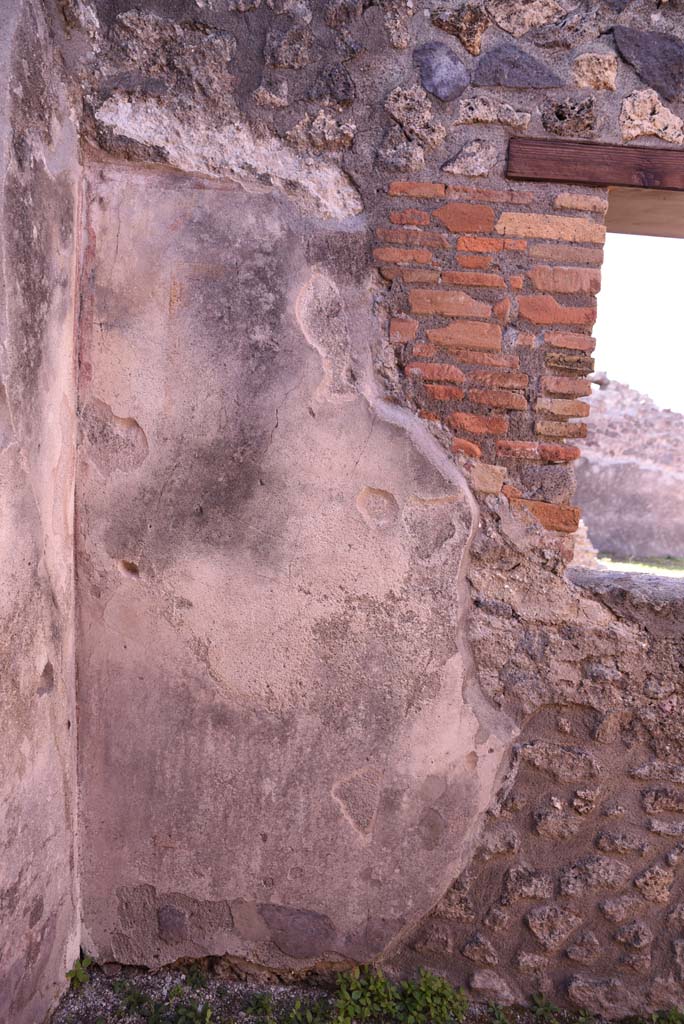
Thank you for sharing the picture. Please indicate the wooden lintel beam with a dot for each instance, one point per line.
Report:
(595, 163)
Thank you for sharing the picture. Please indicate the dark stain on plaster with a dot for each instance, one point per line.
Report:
(298, 933)
(47, 680)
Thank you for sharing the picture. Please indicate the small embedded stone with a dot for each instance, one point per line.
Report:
(570, 117)
(412, 109)
(556, 824)
(644, 113)
(468, 23)
(560, 762)
(655, 883)
(489, 985)
(621, 842)
(656, 801)
(584, 949)
(510, 67)
(637, 935)
(323, 133)
(596, 70)
(334, 84)
(552, 925)
(400, 154)
(620, 908)
(274, 95)
(476, 159)
(441, 72)
(480, 950)
(657, 58)
(486, 110)
(288, 47)
(518, 18)
(593, 873)
(521, 882)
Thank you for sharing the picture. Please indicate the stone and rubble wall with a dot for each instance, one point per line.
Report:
(338, 699)
(39, 915)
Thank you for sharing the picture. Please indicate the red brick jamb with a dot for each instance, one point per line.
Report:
(493, 327)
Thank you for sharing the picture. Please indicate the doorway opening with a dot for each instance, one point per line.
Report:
(630, 479)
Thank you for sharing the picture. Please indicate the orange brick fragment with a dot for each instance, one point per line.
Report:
(517, 281)
(437, 371)
(395, 255)
(566, 386)
(473, 424)
(567, 254)
(498, 399)
(544, 309)
(444, 392)
(446, 303)
(402, 330)
(483, 358)
(473, 280)
(474, 262)
(560, 428)
(585, 202)
(568, 280)
(470, 243)
(574, 342)
(563, 406)
(498, 379)
(545, 225)
(414, 237)
(418, 218)
(465, 217)
(537, 451)
(560, 518)
(423, 351)
(411, 275)
(417, 189)
(468, 334)
(460, 446)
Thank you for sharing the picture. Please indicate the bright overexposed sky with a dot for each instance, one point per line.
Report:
(640, 327)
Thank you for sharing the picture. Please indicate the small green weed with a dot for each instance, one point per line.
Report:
(314, 1013)
(262, 1008)
(365, 994)
(192, 1013)
(544, 1010)
(78, 975)
(196, 976)
(497, 1014)
(430, 1000)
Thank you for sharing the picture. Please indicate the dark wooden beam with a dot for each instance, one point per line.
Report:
(595, 163)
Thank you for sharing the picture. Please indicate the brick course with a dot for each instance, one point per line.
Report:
(496, 349)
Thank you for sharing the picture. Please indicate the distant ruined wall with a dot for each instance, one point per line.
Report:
(39, 924)
(338, 699)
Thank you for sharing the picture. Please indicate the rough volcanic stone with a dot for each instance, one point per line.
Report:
(467, 23)
(593, 873)
(475, 160)
(517, 18)
(552, 925)
(569, 117)
(412, 109)
(399, 153)
(480, 950)
(560, 762)
(584, 949)
(638, 935)
(487, 110)
(595, 70)
(555, 823)
(491, 986)
(288, 46)
(621, 907)
(510, 67)
(334, 84)
(644, 113)
(657, 58)
(568, 31)
(441, 72)
(521, 883)
(323, 133)
(655, 883)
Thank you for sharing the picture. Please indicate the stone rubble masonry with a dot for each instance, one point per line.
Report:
(497, 349)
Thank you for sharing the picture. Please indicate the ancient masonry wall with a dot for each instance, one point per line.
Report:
(494, 299)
